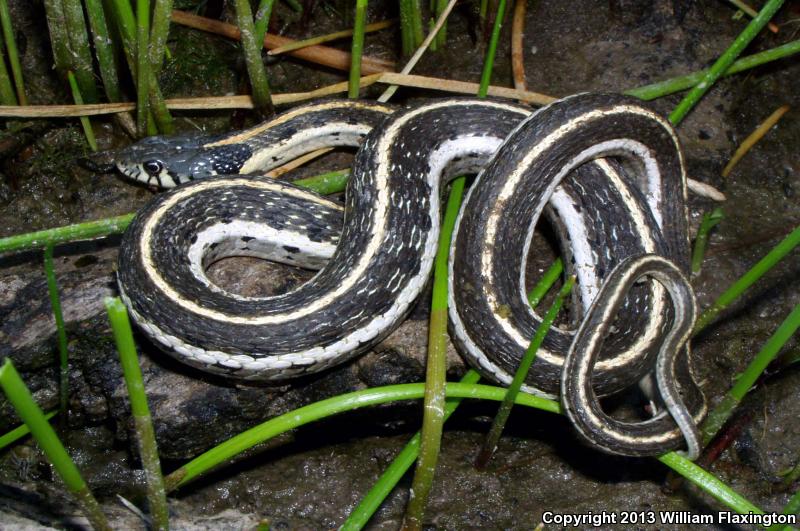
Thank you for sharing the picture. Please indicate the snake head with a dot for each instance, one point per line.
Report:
(166, 162)
(160, 161)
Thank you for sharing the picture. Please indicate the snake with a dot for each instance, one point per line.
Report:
(604, 170)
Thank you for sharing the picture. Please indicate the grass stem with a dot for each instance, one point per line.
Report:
(717, 418)
(434, 397)
(410, 25)
(440, 35)
(80, 53)
(543, 286)
(677, 84)
(20, 397)
(61, 331)
(503, 412)
(158, 35)
(434, 402)
(357, 49)
(19, 432)
(102, 50)
(748, 279)
(13, 53)
(726, 60)
(143, 124)
(710, 220)
(381, 395)
(262, 17)
(57, 27)
(143, 423)
(157, 50)
(7, 96)
(86, 124)
(370, 503)
(332, 406)
(252, 56)
(491, 51)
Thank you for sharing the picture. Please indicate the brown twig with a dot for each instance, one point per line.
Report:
(517, 31)
(464, 87)
(322, 55)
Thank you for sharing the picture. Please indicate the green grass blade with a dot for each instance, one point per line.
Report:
(503, 412)
(13, 54)
(370, 503)
(68, 233)
(61, 331)
(56, 25)
(710, 220)
(381, 395)
(252, 56)
(722, 412)
(157, 47)
(434, 403)
(709, 483)
(19, 432)
(333, 406)
(20, 397)
(102, 50)
(85, 123)
(263, 14)
(80, 55)
(545, 283)
(359, 517)
(748, 279)
(327, 183)
(7, 96)
(491, 51)
(159, 32)
(677, 84)
(441, 35)
(123, 336)
(726, 60)
(410, 25)
(357, 49)
(144, 126)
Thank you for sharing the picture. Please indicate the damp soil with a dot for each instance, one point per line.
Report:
(313, 477)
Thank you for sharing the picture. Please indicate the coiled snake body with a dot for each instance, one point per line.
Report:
(630, 210)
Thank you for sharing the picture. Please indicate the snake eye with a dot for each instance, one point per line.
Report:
(153, 167)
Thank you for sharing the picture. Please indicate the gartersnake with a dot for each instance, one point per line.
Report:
(371, 274)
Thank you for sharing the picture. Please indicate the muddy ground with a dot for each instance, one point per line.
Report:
(313, 477)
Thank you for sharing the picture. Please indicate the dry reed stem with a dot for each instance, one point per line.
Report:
(517, 31)
(245, 102)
